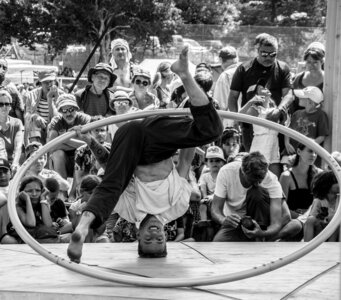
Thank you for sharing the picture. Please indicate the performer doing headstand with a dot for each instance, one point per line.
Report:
(140, 179)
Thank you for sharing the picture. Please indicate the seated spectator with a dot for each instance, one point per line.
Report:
(230, 143)
(62, 159)
(296, 182)
(11, 133)
(162, 79)
(38, 169)
(326, 198)
(87, 186)
(311, 121)
(85, 161)
(247, 188)
(120, 104)
(5, 176)
(214, 160)
(140, 95)
(17, 104)
(40, 107)
(94, 99)
(33, 211)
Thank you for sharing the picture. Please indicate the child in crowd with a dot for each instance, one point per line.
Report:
(326, 192)
(214, 160)
(265, 140)
(311, 121)
(87, 186)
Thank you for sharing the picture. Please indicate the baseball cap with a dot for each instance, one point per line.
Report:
(311, 92)
(4, 164)
(228, 52)
(215, 152)
(47, 75)
(141, 72)
(65, 100)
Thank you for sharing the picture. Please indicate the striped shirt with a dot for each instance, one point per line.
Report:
(43, 109)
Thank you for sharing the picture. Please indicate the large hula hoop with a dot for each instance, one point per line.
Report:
(171, 282)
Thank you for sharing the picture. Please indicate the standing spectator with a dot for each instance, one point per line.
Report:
(311, 121)
(17, 105)
(313, 75)
(276, 75)
(94, 99)
(140, 96)
(265, 140)
(11, 133)
(123, 67)
(41, 107)
(62, 159)
(248, 188)
(229, 63)
(162, 79)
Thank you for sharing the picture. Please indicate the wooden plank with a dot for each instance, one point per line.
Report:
(23, 271)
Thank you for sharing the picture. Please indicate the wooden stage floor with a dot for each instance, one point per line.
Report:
(24, 274)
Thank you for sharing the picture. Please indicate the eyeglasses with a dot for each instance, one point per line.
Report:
(266, 54)
(119, 103)
(2, 104)
(65, 110)
(4, 67)
(138, 82)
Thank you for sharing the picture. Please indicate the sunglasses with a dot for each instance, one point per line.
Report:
(4, 67)
(138, 82)
(2, 104)
(65, 110)
(119, 103)
(266, 54)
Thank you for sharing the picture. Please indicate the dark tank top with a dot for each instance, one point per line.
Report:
(299, 198)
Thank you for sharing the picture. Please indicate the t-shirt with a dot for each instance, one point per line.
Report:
(207, 180)
(311, 125)
(95, 105)
(7, 138)
(85, 160)
(43, 109)
(247, 75)
(229, 187)
(59, 124)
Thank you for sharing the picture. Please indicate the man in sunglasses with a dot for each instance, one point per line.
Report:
(62, 159)
(17, 105)
(140, 180)
(265, 66)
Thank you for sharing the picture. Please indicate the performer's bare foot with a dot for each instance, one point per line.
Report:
(180, 66)
(74, 251)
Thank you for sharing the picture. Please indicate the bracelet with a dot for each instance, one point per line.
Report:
(44, 202)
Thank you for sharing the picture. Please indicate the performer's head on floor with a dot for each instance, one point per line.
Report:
(151, 238)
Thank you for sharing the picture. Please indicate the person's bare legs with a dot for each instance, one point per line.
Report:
(74, 251)
(196, 95)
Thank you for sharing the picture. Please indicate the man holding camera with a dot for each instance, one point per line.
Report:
(249, 189)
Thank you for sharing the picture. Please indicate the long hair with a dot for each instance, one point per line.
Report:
(312, 170)
(27, 180)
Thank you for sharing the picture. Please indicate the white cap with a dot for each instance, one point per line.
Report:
(215, 152)
(311, 92)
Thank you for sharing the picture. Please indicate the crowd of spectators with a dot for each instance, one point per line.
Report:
(250, 173)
